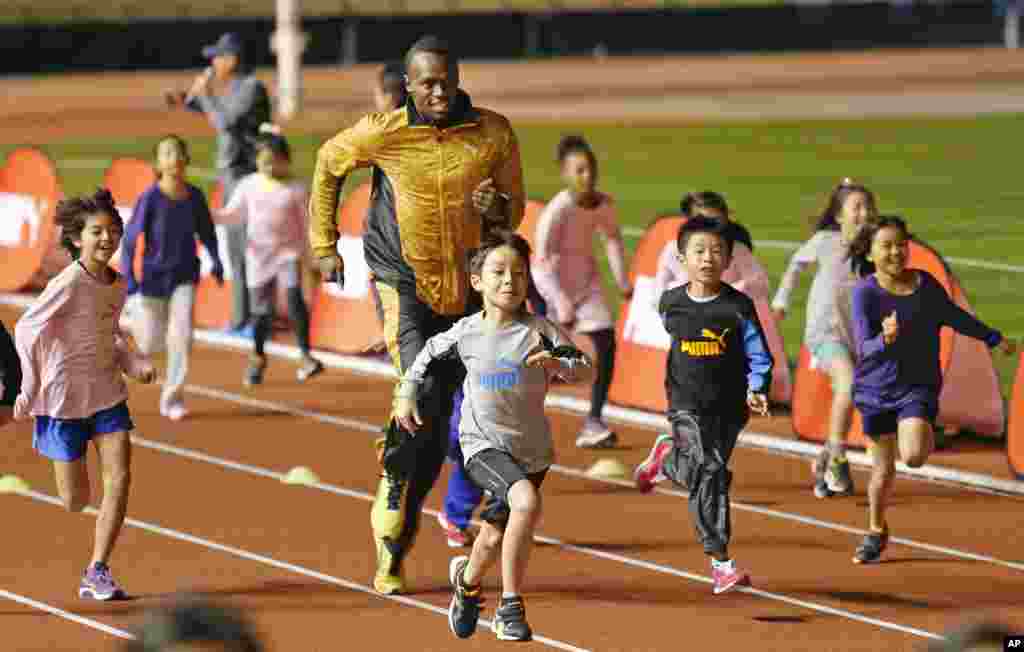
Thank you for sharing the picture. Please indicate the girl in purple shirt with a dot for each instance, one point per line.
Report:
(897, 315)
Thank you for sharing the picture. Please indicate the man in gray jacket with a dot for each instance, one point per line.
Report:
(236, 115)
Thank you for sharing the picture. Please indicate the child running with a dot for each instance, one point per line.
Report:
(170, 214)
(72, 358)
(897, 314)
(510, 357)
(273, 205)
(567, 274)
(849, 207)
(718, 369)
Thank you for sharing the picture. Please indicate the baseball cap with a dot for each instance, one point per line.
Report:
(228, 43)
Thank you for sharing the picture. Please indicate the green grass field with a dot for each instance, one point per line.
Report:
(956, 181)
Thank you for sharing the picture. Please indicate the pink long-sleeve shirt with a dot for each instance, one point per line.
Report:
(274, 213)
(566, 270)
(71, 349)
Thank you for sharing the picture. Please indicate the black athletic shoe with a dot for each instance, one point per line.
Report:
(870, 549)
(510, 621)
(464, 610)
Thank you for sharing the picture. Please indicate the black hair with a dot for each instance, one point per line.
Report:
(708, 200)
(573, 144)
(73, 213)
(179, 141)
(829, 218)
(272, 140)
(194, 620)
(700, 224)
(495, 239)
(971, 636)
(860, 248)
(392, 82)
(433, 44)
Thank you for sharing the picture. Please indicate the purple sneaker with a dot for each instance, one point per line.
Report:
(98, 584)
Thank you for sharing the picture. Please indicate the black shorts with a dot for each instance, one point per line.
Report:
(887, 422)
(495, 471)
(10, 368)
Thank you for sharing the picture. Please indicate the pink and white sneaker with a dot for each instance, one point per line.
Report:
(455, 537)
(727, 578)
(649, 472)
(174, 411)
(98, 584)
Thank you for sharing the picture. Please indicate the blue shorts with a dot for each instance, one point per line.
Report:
(66, 440)
(876, 424)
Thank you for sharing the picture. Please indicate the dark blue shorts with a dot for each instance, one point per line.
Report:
(66, 440)
(884, 422)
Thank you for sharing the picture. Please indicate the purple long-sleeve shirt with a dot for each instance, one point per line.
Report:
(886, 373)
(170, 227)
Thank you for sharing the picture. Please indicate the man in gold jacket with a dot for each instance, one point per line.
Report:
(445, 172)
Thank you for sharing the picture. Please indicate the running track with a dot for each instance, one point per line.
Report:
(615, 571)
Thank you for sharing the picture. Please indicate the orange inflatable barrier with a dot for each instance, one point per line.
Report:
(643, 343)
(970, 395)
(29, 191)
(345, 319)
(1015, 427)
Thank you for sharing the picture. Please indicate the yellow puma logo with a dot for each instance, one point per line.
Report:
(708, 333)
(701, 348)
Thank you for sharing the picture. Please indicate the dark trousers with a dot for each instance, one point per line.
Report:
(417, 461)
(703, 444)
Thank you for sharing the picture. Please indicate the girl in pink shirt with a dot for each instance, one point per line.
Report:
(72, 359)
(566, 272)
(273, 206)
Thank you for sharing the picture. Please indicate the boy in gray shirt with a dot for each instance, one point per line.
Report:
(510, 357)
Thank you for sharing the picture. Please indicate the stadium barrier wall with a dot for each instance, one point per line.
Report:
(175, 43)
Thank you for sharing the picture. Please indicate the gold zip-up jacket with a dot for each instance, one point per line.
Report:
(421, 223)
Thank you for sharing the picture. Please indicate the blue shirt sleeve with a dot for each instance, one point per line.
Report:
(869, 344)
(759, 358)
(962, 321)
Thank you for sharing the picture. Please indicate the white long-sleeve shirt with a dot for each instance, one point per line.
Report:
(71, 349)
(833, 279)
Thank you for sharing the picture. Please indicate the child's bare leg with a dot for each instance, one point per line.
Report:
(72, 483)
(916, 441)
(114, 450)
(525, 503)
(842, 404)
(486, 549)
(883, 472)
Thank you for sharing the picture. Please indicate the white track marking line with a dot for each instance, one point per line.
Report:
(66, 615)
(293, 568)
(622, 559)
(364, 426)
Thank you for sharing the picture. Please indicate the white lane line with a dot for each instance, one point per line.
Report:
(363, 426)
(622, 559)
(283, 565)
(66, 615)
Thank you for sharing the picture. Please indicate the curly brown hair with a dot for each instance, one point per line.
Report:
(73, 213)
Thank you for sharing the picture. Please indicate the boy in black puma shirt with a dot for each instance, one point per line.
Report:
(719, 368)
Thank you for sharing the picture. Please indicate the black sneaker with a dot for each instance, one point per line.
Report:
(464, 610)
(510, 621)
(254, 372)
(870, 549)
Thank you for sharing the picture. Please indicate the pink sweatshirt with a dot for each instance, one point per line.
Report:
(566, 270)
(71, 349)
(744, 273)
(274, 213)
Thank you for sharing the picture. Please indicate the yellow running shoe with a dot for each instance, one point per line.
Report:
(388, 578)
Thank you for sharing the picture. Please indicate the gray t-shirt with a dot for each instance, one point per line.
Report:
(503, 400)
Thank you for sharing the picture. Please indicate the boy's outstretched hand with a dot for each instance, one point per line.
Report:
(758, 403)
